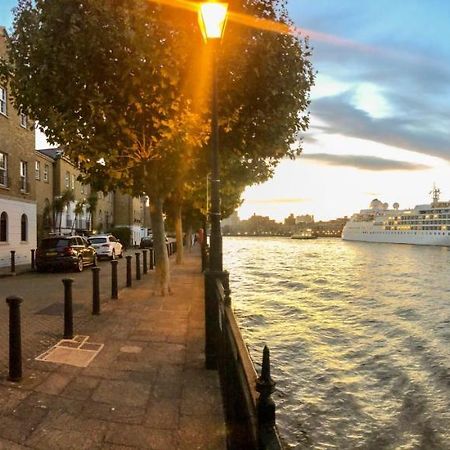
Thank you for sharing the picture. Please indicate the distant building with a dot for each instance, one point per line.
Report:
(305, 219)
(330, 228)
(17, 179)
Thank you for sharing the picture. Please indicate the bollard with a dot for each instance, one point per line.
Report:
(265, 406)
(13, 262)
(68, 312)
(138, 266)
(144, 261)
(114, 289)
(96, 291)
(129, 270)
(33, 259)
(152, 259)
(15, 343)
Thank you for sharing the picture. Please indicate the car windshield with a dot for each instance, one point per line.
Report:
(98, 240)
(55, 243)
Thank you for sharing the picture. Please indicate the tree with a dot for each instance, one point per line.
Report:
(136, 114)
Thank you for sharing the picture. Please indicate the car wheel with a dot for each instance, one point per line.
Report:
(113, 255)
(80, 265)
(40, 269)
(121, 253)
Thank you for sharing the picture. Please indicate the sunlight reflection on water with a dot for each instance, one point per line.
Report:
(359, 336)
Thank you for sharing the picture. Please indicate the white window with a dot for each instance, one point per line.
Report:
(46, 173)
(23, 120)
(38, 170)
(73, 182)
(67, 180)
(3, 169)
(23, 176)
(3, 101)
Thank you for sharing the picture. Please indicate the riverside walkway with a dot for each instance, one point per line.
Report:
(145, 389)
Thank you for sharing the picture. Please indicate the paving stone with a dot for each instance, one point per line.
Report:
(144, 438)
(9, 445)
(55, 383)
(199, 433)
(10, 398)
(52, 439)
(81, 388)
(117, 414)
(163, 413)
(122, 393)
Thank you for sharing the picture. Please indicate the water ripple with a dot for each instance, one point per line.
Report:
(359, 337)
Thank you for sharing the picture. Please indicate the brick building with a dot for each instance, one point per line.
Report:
(17, 178)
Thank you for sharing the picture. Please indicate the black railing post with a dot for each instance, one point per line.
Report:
(129, 270)
(33, 259)
(138, 266)
(144, 261)
(265, 406)
(13, 262)
(211, 319)
(68, 311)
(114, 287)
(96, 291)
(15, 340)
(152, 259)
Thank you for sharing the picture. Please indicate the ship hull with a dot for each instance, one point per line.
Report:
(398, 237)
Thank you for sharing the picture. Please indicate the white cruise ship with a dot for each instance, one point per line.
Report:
(423, 225)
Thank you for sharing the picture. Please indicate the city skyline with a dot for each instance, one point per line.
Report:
(378, 111)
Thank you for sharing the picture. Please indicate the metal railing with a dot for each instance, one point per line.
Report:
(249, 408)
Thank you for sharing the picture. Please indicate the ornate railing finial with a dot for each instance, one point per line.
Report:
(265, 386)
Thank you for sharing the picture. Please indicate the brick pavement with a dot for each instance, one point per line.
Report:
(146, 389)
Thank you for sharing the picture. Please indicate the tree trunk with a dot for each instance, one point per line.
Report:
(179, 234)
(162, 272)
(189, 239)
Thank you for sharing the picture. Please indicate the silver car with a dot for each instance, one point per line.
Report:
(107, 246)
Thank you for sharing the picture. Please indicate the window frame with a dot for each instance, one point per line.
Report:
(46, 173)
(37, 170)
(4, 226)
(23, 176)
(4, 169)
(24, 228)
(23, 120)
(3, 101)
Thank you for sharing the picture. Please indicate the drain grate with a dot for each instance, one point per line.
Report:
(74, 352)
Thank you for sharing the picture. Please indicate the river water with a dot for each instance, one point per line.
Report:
(359, 336)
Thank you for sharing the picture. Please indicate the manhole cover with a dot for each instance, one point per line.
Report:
(74, 352)
(57, 309)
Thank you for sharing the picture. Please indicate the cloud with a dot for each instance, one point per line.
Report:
(278, 201)
(364, 162)
(407, 131)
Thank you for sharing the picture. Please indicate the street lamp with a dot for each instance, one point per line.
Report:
(212, 17)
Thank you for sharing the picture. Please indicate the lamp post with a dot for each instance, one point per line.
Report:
(212, 19)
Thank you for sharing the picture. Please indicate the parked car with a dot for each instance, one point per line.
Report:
(107, 246)
(65, 251)
(147, 242)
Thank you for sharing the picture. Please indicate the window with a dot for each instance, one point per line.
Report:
(46, 173)
(38, 170)
(72, 186)
(23, 120)
(23, 176)
(3, 101)
(67, 180)
(3, 169)
(24, 228)
(3, 227)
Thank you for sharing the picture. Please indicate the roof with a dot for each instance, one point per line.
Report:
(53, 153)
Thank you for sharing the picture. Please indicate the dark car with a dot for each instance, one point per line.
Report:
(147, 242)
(66, 252)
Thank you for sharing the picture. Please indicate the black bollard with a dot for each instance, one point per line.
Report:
(96, 291)
(15, 342)
(265, 406)
(114, 289)
(152, 259)
(68, 312)
(13, 262)
(138, 266)
(129, 270)
(144, 261)
(33, 259)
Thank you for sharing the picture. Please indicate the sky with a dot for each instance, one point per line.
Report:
(380, 109)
